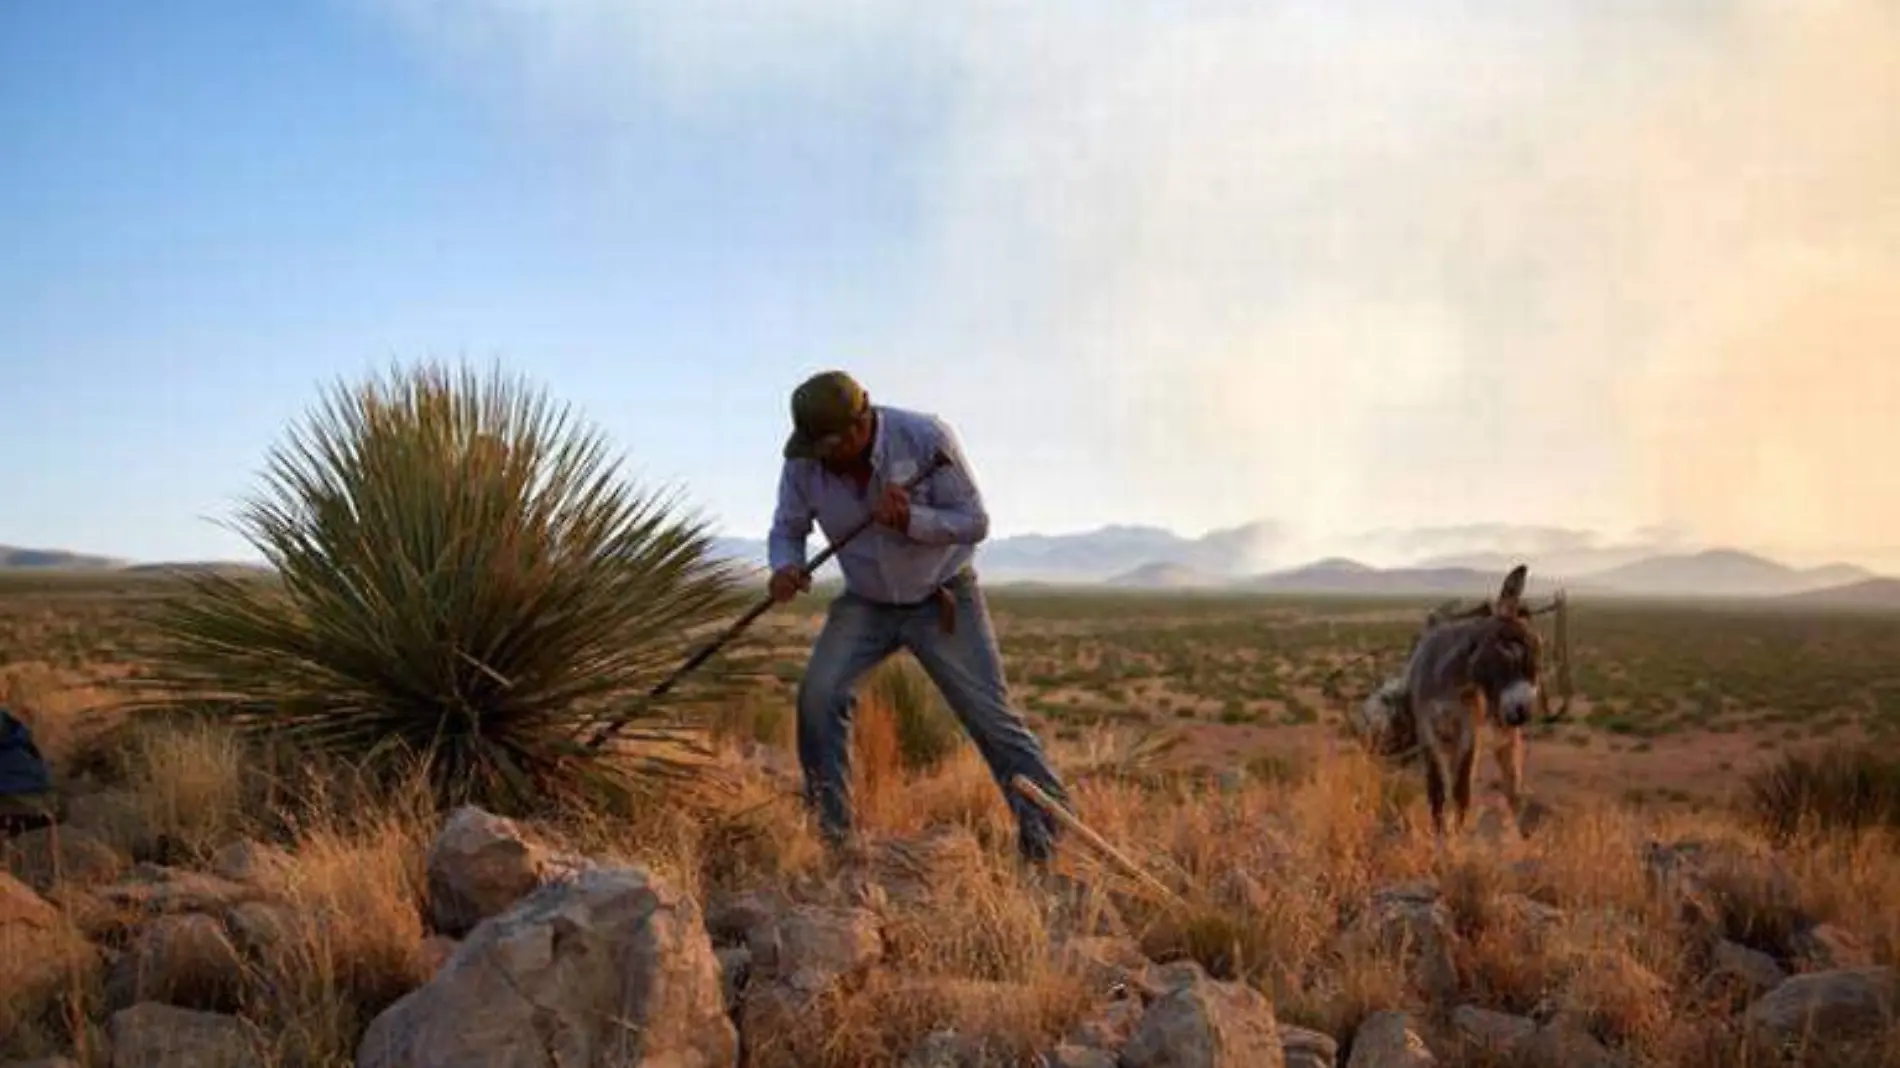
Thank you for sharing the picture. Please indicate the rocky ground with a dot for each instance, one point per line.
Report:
(1316, 927)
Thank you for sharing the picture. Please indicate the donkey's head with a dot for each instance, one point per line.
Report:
(1505, 661)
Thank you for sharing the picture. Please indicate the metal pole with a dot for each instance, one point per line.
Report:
(608, 729)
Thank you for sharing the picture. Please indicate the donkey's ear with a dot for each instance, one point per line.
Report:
(1512, 591)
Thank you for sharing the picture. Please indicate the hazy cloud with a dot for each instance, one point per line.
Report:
(1355, 265)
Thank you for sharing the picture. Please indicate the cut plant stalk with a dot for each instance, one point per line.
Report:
(1042, 800)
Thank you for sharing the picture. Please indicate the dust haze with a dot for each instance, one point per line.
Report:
(1349, 266)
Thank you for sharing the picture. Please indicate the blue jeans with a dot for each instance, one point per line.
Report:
(965, 665)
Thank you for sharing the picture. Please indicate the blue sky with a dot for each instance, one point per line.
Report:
(216, 207)
(1349, 267)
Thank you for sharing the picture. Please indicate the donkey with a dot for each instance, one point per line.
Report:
(1468, 668)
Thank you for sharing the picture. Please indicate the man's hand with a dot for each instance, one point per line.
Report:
(788, 582)
(893, 507)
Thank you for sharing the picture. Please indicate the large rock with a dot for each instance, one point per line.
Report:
(151, 1035)
(814, 938)
(479, 866)
(612, 967)
(1845, 1004)
(1207, 1024)
(1386, 1040)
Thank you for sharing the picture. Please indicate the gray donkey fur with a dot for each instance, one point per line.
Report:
(1468, 669)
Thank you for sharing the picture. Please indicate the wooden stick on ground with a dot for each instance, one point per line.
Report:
(1061, 815)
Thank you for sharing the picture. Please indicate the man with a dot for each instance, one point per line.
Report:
(908, 584)
(27, 801)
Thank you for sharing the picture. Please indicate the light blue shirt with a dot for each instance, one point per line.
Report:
(947, 519)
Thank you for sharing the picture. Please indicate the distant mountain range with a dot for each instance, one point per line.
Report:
(1725, 572)
(53, 560)
(13, 558)
(1241, 559)
(1151, 558)
(1868, 593)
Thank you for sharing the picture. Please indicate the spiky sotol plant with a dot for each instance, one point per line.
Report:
(461, 579)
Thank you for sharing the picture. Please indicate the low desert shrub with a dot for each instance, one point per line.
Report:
(1843, 788)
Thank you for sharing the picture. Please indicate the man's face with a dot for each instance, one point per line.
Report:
(845, 450)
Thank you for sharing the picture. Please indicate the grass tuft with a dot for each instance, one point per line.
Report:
(927, 731)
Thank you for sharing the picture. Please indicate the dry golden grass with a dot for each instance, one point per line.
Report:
(877, 770)
(190, 782)
(339, 939)
(52, 975)
(1276, 875)
(1271, 873)
(353, 938)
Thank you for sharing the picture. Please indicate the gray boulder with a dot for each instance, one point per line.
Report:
(612, 967)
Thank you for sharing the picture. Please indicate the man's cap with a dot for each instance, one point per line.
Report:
(824, 407)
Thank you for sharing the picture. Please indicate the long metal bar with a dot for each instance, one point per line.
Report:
(608, 729)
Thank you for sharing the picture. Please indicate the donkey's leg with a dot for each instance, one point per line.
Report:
(1437, 787)
(1510, 756)
(1435, 776)
(1426, 719)
(1465, 774)
(1469, 715)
